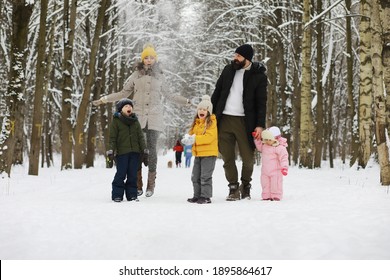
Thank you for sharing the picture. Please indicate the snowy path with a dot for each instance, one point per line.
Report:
(326, 214)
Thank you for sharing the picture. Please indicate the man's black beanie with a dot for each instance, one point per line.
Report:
(245, 51)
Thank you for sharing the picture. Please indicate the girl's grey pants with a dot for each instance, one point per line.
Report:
(202, 176)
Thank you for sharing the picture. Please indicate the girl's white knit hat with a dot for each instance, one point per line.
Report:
(206, 104)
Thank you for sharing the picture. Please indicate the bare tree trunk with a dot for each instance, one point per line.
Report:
(306, 133)
(286, 111)
(385, 19)
(365, 87)
(79, 153)
(47, 153)
(37, 126)
(344, 135)
(12, 125)
(97, 91)
(330, 116)
(272, 94)
(48, 128)
(351, 111)
(380, 104)
(4, 29)
(319, 141)
(112, 86)
(67, 88)
(296, 96)
(286, 98)
(297, 119)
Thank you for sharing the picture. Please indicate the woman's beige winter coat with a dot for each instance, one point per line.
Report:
(147, 88)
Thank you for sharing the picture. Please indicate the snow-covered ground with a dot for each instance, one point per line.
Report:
(338, 218)
(326, 214)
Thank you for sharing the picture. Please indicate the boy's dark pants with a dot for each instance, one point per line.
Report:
(126, 168)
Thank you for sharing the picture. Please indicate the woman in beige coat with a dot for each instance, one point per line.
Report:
(146, 87)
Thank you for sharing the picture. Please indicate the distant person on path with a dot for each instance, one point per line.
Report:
(188, 155)
(126, 145)
(239, 101)
(146, 87)
(178, 148)
(274, 163)
(203, 136)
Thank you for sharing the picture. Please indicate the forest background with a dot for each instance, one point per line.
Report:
(328, 65)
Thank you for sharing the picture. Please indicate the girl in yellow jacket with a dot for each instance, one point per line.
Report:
(203, 136)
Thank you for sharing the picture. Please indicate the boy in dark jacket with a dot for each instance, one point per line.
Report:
(127, 144)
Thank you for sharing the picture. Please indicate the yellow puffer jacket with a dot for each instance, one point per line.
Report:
(206, 141)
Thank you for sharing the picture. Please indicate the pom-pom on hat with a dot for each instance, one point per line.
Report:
(121, 103)
(245, 51)
(206, 104)
(275, 131)
(148, 51)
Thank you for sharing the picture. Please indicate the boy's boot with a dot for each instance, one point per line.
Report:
(234, 192)
(139, 183)
(151, 183)
(245, 190)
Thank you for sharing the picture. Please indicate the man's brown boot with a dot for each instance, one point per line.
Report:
(234, 192)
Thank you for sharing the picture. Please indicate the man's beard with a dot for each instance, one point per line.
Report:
(237, 65)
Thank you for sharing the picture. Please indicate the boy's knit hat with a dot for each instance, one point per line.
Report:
(121, 103)
(275, 131)
(245, 51)
(267, 135)
(206, 104)
(148, 51)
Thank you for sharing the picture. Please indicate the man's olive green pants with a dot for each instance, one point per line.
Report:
(231, 130)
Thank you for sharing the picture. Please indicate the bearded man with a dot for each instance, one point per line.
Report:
(239, 102)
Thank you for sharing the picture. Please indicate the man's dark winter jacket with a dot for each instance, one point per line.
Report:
(254, 96)
(126, 135)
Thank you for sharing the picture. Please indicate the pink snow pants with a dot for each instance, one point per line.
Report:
(272, 186)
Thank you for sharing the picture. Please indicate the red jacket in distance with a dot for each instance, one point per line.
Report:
(178, 148)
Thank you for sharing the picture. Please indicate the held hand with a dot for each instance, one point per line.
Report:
(284, 171)
(145, 157)
(110, 154)
(110, 158)
(257, 133)
(99, 102)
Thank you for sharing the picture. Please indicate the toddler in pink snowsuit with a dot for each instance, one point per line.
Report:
(274, 163)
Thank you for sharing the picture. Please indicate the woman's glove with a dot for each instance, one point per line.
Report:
(145, 157)
(100, 101)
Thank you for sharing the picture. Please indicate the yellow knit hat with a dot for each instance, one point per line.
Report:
(148, 51)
